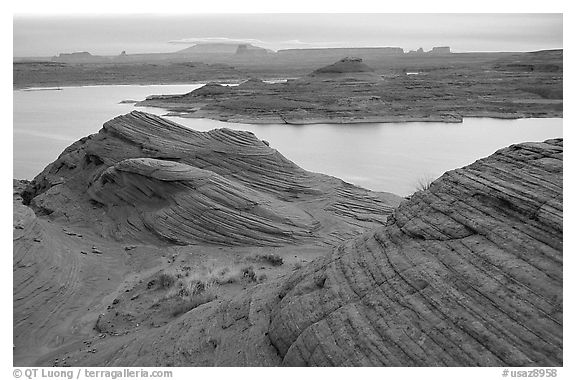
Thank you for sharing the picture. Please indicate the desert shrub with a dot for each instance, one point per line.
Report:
(249, 274)
(424, 183)
(165, 281)
(197, 287)
(189, 293)
(270, 258)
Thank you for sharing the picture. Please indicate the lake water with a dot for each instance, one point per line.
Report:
(385, 157)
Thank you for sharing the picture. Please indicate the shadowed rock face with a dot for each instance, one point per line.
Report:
(147, 178)
(466, 273)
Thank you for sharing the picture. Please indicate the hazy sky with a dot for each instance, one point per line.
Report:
(110, 34)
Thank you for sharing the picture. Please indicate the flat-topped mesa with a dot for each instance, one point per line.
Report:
(467, 273)
(148, 178)
(248, 50)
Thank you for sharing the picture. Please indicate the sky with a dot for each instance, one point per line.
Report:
(49, 35)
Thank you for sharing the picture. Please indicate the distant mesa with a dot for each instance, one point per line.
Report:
(251, 50)
(441, 50)
(222, 52)
(210, 48)
(80, 57)
(223, 48)
(437, 50)
(76, 55)
(335, 53)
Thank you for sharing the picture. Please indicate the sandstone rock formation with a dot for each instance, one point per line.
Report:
(148, 183)
(465, 273)
(437, 50)
(152, 177)
(249, 50)
(79, 57)
(468, 272)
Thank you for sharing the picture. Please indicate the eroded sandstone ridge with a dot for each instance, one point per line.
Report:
(146, 196)
(144, 176)
(466, 273)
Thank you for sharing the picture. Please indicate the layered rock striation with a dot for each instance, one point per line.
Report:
(145, 176)
(467, 273)
(119, 206)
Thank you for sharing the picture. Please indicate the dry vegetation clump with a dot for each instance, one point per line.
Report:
(424, 183)
(183, 289)
(165, 280)
(186, 290)
(248, 273)
(269, 258)
(186, 294)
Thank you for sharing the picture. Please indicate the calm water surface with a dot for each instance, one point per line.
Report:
(385, 157)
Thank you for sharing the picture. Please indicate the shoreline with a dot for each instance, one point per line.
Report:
(280, 120)
(244, 119)
(47, 87)
(342, 121)
(54, 88)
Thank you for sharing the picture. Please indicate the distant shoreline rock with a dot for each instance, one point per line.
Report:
(349, 91)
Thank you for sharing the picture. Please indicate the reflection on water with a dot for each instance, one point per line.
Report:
(385, 157)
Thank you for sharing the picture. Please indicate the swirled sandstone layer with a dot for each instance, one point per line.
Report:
(147, 178)
(465, 273)
(468, 272)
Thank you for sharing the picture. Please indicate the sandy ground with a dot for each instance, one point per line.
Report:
(66, 277)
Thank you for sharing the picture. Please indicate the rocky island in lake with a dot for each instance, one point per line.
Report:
(349, 91)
